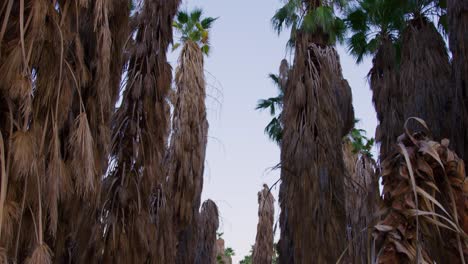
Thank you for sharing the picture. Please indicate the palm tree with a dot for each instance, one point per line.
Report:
(190, 130)
(136, 211)
(56, 101)
(362, 196)
(263, 250)
(207, 226)
(375, 26)
(317, 113)
(425, 70)
(457, 11)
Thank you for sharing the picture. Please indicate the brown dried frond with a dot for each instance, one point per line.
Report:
(81, 146)
(424, 205)
(41, 255)
(208, 224)
(24, 154)
(263, 248)
(137, 186)
(11, 215)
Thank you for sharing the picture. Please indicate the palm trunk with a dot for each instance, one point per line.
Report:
(458, 40)
(424, 78)
(386, 94)
(263, 249)
(137, 219)
(362, 198)
(207, 226)
(188, 148)
(312, 172)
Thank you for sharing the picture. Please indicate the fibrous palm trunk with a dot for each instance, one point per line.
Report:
(137, 213)
(58, 92)
(312, 198)
(458, 41)
(188, 148)
(263, 248)
(424, 78)
(386, 95)
(362, 197)
(207, 226)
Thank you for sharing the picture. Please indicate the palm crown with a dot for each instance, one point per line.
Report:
(193, 27)
(299, 15)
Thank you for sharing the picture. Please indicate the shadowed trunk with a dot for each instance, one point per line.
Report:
(424, 78)
(207, 226)
(312, 170)
(263, 249)
(362, 198)
(188, 148)
(386, 95)
(457, 12)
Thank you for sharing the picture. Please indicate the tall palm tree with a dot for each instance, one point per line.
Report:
(57, 96)
(457, 11)
(362, 198)
(317, 114)
(136, 212)
(375, 26)
(425, 70)
(207, 226)
(263, 250)
(190, 130)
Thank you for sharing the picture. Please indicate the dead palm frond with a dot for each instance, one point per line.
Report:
(414, 213)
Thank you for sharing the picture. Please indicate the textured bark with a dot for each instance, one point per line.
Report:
(263, 249)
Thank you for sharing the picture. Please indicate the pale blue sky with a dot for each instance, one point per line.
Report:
(245, 49)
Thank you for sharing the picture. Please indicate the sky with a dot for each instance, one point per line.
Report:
(240, 157)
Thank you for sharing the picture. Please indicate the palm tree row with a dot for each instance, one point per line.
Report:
(84, 181)
(411, 75)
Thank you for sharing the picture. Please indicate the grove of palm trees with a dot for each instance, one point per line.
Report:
(106, 113)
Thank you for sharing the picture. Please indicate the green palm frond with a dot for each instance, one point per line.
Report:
(370, 21)
(298, 16)
(193, 27)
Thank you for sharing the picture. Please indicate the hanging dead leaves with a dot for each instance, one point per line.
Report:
(419, 221)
